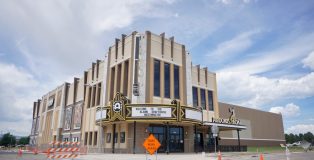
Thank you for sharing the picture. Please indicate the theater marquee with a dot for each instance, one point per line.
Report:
(156, 112)
(121, 110)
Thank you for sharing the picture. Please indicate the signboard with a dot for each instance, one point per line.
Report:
(77, 116)
(226, 121)
(101, 114)
(151, 144)
(159, 112)
(117, 106)
(215, 130)
(231, 120)
(192, 114)
(68, 117)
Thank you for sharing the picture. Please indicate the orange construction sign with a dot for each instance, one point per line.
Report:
(151, 144)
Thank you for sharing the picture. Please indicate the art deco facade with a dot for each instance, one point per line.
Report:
(145, 84)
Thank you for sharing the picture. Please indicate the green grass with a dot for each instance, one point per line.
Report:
(273, 149)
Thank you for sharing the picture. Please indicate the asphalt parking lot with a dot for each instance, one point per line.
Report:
(188, 156)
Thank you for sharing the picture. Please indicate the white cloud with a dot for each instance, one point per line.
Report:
(53, 40)
(237, 44)
(15, 77)
(309, 61)
(65, 35)
(255, 91)
(268, 60)
(290, 110)
(301, 128)
(18, 91)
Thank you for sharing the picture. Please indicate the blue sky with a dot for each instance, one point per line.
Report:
(262, 51)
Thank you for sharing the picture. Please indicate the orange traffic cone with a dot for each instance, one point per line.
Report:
(219, 155)
(261, 157)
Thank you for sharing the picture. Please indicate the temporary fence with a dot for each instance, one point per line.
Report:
(61, 150)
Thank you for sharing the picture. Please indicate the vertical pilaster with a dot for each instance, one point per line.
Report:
(149, 85)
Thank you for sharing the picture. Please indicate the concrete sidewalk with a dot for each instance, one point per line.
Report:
(179, 156)
(200, 156)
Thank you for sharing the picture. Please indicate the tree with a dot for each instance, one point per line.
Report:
(309, 137)
(291, 138)
(7, 140)
(24, 140)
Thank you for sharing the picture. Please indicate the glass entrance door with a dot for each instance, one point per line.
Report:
(199, 142)
(176, 139)
(160, 133)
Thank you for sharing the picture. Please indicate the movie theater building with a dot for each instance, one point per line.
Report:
(146, 84)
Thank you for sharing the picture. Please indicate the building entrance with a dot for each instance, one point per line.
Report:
(173, 137)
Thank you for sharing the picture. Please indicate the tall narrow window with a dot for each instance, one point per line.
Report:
(95, 138)
(98, 94)
(157, 78)
(116, 137)
(137, 47)
(119, 78)
(195, 97)
(203, 99)
(86, 137)
(108, 138)
(136, 67)
(210, 101)
(94, 96)
(93, 69)
(122, 137)
(112, 82)
(97, 69)
(176, 75)
(89, 97)
(167, 80)
(90, 138)
(126, 78)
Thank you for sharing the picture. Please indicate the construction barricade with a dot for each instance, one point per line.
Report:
(63, 150)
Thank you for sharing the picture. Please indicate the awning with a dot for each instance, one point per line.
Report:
(225, 126)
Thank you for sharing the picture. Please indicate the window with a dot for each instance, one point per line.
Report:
(74, 139)
(195, 97)
(157, 78)
(112, 82)
(95, 138)
(90, 138)
(93, 68)
(97, 69)
(119, 78)
(122, 137)
(203, 99)
(176, 75)
(116, 137)
(94, 96)
(137, 47)
(89, 97)
(210, 101)
(98, 94)
(108, 138)
(126, 78)
(85, 140)
(167, 80)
